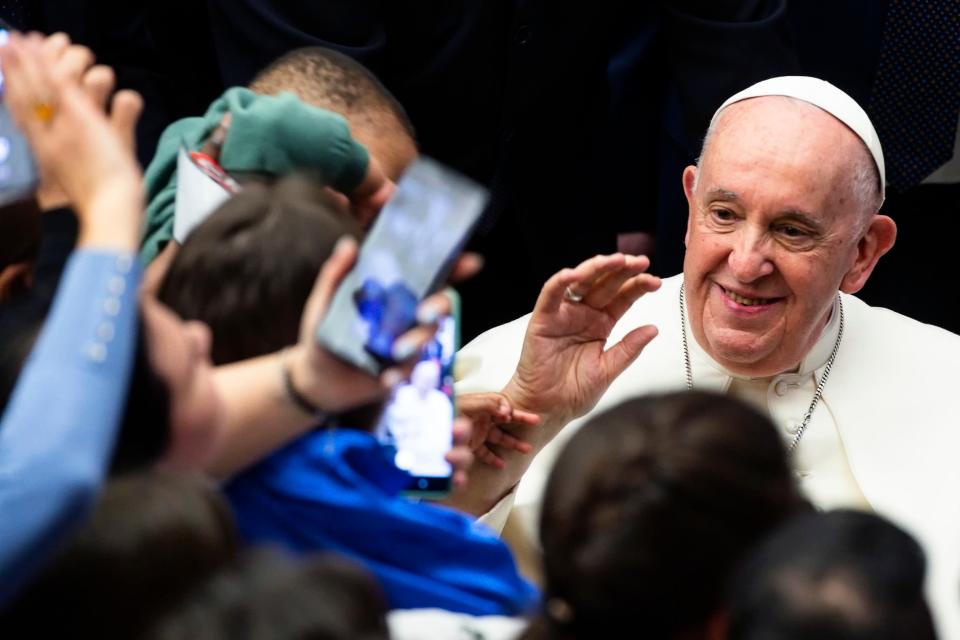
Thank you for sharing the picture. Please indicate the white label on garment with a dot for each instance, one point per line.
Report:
(198, 195)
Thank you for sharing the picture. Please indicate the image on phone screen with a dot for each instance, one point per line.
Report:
(417, 422)
(18, 173)
(406, 255)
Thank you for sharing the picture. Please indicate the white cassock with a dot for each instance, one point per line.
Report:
(885, 436)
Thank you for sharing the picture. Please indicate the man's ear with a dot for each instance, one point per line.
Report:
(689, 178)
(878, 239)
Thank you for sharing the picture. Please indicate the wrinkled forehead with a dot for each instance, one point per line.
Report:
(779, 130)
(780, 153)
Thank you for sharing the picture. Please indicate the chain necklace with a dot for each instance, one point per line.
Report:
(820, 384)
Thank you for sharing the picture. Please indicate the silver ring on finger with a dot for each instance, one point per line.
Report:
(572, 296)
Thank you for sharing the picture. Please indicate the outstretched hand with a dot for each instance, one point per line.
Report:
(564, 366)
(336, 385)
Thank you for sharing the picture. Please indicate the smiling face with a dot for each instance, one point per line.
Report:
(776, 226)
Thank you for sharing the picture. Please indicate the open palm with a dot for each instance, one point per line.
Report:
(565, 366)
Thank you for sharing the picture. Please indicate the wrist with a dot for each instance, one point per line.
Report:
(111, 218)
(552, 418)
(293, 393)
(303, 377)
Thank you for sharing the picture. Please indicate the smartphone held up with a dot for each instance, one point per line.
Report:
(407, 256)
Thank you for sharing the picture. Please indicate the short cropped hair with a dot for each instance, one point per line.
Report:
(248, 269)
(650, 507)
(334, 81)
(842, 575)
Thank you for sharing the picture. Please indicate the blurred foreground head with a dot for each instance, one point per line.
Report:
(649, 508)
(842, 575)
(152, 538)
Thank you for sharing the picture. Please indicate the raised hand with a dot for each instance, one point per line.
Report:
(332, 383)
(564, 366)
(490, 413)
(53, 93)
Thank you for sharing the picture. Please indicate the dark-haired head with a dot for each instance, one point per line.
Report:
(151, 539)
(842, 575)
(248, 269)
(331, 80)
(268, 595)
(649, 508)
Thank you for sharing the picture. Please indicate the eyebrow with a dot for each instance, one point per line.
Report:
(798, 215)
(722, 194)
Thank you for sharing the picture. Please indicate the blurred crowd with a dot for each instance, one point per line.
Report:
(681, 410)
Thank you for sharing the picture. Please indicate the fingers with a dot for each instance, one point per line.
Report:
(605, 289)
(618, 357)
(524, 418)
(72, 63)
(433, 308)
(477, 405)
(501, 438)
(462, 430)
(485, 455)
(411, 343)
(460, 456)
(56, 44)
(630, 292)
(579, 279)
(125, 110)
(98, 83)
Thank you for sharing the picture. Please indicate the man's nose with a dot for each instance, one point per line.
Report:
(749, 260)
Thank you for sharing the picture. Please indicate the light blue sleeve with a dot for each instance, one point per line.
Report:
(59, 427)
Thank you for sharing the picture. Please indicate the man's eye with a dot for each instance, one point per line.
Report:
(791, 231)
(722, 215)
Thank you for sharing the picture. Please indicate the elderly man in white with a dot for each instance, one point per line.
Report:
(783, 228)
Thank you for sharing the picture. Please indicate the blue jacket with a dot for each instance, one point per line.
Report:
(58, 430)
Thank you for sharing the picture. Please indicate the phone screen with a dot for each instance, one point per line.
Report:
(18, 173)
(417, 422)
(406, 256)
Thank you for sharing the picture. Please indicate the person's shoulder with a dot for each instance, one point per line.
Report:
(896, 333)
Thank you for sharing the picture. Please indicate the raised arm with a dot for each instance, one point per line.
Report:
(565, 365)
(57, 432)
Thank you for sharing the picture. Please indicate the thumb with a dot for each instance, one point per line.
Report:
(621, 355)
(331, 275)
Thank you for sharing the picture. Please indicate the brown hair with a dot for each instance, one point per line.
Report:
(648, 509)
(248, 269)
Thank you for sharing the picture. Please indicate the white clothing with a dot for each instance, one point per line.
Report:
(885, 433)
(438, 624)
